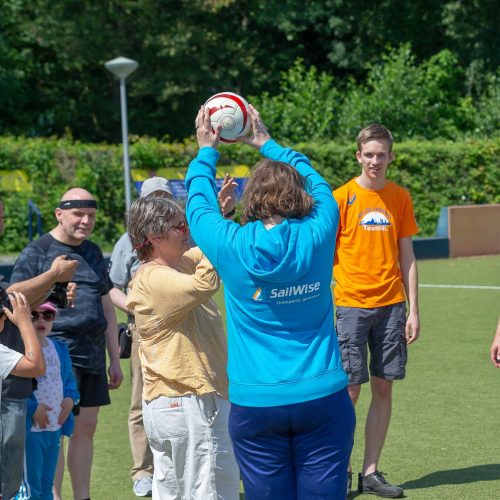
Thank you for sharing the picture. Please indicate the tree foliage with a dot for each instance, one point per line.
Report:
(424, 100)
(437, 173)
(413, 100)
(52, 79)
(306, 106)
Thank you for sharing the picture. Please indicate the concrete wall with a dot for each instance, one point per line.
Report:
(474, 230)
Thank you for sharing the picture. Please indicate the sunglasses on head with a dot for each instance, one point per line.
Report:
(46, 315)
(182, 227)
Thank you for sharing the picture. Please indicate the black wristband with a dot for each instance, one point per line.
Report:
(229, 214)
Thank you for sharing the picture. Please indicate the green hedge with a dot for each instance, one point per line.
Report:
(437, 174)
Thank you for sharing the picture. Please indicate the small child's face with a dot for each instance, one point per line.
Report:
(42, 321)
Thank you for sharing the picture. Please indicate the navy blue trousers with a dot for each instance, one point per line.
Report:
(294, 452)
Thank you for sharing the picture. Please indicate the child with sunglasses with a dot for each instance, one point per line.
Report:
(49, 412)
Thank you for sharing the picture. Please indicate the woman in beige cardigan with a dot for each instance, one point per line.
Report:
(183, 354)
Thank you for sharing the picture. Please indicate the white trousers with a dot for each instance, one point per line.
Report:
(192, 451)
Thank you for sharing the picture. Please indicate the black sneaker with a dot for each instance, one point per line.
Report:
(376, 484)
(349, 484)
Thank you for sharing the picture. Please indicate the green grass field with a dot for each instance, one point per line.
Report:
(443, 440)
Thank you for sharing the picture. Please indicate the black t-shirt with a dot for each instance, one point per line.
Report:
(14, 387)
(82, 327)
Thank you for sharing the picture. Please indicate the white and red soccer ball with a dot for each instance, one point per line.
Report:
(230, 111)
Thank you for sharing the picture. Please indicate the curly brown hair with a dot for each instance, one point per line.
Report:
(275, 188)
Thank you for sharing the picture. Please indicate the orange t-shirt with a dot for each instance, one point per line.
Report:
(366, 265)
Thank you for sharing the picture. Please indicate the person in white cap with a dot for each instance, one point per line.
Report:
(156, 186)
(122, 267)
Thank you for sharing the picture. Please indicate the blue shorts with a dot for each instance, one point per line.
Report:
(294, 452)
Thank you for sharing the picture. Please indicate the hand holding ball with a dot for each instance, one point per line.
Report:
(230, 112)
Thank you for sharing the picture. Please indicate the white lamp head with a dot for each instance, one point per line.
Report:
(121, 67)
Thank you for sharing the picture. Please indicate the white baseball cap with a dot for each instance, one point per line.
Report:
(153, 184)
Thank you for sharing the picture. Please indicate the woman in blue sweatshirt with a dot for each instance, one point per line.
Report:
(291, 421)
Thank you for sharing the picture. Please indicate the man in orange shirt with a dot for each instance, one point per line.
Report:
(376, 273)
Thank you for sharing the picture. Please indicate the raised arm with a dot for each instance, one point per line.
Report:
(260, 139)
(32, 364)
(207, 225)
(36, 289)
(227, 198)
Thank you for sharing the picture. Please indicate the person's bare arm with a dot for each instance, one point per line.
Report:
(227, 196)
(408, 266)
(114, 370)
(36, 289)
(119, 299)
(495, 347)
(32, 364)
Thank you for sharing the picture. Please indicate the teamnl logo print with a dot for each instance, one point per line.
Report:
(375, 219)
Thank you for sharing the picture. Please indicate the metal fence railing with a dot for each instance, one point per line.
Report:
(34, 212)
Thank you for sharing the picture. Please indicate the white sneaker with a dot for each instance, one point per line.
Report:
(143, 487)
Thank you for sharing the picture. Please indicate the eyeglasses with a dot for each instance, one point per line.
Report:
(182, 227)
(46, 315)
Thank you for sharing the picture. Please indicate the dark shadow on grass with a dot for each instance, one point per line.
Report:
(355, 494)
(488, 472)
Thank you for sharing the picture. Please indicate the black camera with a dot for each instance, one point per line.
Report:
(58, 295)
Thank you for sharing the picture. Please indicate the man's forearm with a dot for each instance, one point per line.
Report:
(35, 289)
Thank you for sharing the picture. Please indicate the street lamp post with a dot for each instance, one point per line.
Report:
(122, 67)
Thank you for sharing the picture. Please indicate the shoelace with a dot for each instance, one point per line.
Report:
(380, 476)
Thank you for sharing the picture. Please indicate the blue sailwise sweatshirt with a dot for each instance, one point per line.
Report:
(282, 346)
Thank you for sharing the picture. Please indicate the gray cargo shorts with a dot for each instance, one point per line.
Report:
(382, 329)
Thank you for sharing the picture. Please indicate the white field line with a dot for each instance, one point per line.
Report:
(471, 287)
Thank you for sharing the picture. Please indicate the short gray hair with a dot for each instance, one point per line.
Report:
(149, 217)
